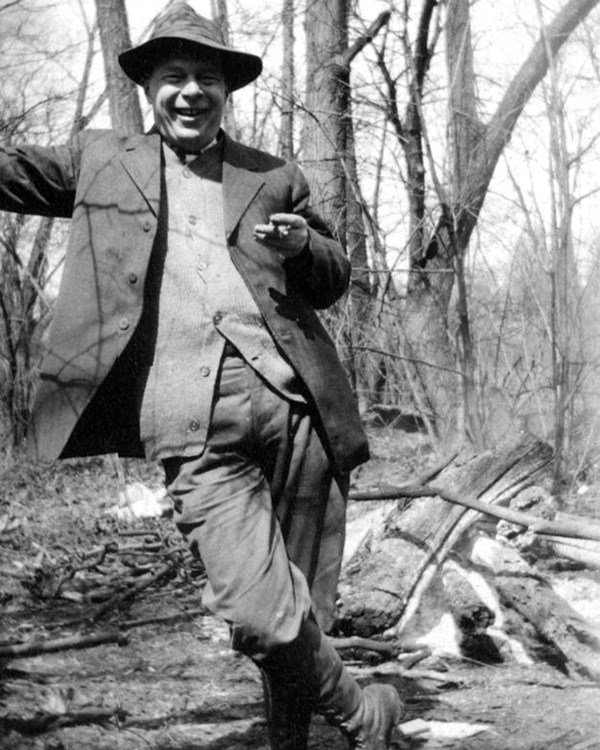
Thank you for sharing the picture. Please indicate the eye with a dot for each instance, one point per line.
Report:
(210, 79)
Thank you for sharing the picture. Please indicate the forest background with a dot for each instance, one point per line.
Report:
(454, 147)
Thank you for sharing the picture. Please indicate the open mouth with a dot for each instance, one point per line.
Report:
(189, 112)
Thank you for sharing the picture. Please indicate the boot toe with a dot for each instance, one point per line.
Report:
(382, 711)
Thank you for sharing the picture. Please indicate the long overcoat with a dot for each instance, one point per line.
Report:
(113, 189)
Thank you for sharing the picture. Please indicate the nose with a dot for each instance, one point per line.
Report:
(191, 89)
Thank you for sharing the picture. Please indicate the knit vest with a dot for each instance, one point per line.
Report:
(202, 302)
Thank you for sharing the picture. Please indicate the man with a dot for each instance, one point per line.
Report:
(185, 330)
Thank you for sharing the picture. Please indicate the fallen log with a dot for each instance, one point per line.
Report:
(582, 551)
(384, 582)
(382, 585)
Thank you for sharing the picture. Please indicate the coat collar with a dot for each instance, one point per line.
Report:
(142, 158)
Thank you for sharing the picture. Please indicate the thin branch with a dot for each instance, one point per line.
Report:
(366, 38)
(415, 361)
(584, 529)
(9, 5)
(423, 53)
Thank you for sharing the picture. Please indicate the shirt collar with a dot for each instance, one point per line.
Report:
(186, 158)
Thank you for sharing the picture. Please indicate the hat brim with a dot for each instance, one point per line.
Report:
(240, 68)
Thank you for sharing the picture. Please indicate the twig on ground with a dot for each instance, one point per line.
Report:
(188, 615)
(390, 648)
(119, 599)
(44, 721)
(35, 646)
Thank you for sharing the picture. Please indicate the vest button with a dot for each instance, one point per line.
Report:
(123, 324)
(205, 371)
(133, 278)
(217, 318)
(147, 226)
(187, 172)
(192, 220)
(194, 426)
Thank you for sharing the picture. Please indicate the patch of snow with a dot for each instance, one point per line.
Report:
(444, 638)
(582, 594)
(139, 501)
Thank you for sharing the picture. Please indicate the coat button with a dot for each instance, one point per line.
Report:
(194, 425)
(123, 324)
(205, 371)
(147, 226)
(187, 172)
(133, 278)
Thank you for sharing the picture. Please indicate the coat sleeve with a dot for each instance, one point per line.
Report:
(321, 273)
(39, 180)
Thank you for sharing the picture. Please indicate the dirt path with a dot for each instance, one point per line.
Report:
(180, 687)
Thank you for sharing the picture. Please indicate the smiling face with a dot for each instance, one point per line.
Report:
(188, 95)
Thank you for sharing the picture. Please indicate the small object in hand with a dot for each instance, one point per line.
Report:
(273, 231)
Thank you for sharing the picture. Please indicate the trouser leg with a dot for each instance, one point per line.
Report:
(260, 452)
(261, 506)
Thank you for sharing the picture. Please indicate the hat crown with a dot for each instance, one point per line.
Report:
(180, 18)
(179, 28)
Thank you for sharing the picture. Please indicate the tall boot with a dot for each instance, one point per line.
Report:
(288, 716)
(311, 666)
(371, 727)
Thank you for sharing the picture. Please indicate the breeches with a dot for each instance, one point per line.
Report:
(264, 510)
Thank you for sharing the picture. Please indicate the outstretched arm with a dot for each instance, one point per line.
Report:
(38, 180)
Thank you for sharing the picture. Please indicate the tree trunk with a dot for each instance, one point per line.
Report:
(286, 132)
(124, 105)
(327, 100)
(220, 13)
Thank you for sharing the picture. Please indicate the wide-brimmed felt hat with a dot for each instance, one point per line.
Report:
(179, 30)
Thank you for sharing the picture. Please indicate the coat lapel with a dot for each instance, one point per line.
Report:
(142, 161)
(241, 184)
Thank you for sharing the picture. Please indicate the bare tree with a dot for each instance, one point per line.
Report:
(25, 308)
(444, 209)
(328, 156)
(124, 105)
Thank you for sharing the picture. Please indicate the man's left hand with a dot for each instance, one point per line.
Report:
(285, 233)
